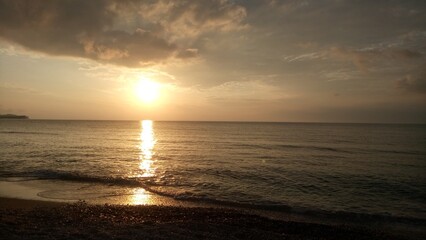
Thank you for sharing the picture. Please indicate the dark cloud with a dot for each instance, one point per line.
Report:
(130, 33)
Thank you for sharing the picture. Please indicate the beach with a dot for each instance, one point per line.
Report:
(30, 219)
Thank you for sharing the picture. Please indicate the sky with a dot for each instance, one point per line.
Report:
(217, 60)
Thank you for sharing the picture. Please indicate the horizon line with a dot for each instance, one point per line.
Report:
(221, 121)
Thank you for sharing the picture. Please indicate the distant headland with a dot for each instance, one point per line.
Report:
(13, 116)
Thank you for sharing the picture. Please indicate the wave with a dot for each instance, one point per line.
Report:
(319, 148)
(77, 177)
(401, 152)
(155, 188)
(283, 208)
(347, 150)
(29, 133)
(292, 146)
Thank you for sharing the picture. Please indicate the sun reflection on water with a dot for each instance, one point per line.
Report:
(147, 147)
(146, 169)
(140, 197)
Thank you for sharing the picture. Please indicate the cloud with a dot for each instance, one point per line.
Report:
(188, 53)
(307, 45)
(415, 84)
(404, 54)
(130, 33)
(304, 57)
(363, 58)
(190, 18)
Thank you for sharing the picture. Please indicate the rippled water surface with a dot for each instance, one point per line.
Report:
(353, 168)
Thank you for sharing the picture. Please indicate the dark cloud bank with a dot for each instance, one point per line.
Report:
(130, 33)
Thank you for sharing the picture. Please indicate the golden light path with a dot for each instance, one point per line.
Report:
(147, 137)
(147, 147)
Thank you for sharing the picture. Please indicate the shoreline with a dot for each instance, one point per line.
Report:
(26, 196)
(17, 203)
(52, 220)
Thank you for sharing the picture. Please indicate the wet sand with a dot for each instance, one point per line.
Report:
(31, 219)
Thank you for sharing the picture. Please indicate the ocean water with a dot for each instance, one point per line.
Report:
(363, 169)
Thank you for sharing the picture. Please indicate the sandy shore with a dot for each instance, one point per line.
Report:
(30, 219)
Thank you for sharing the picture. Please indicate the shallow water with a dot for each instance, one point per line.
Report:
(361, 169)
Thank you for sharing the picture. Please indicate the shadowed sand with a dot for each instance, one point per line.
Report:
(30, 219)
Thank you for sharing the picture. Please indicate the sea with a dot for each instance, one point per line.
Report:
(371, 171)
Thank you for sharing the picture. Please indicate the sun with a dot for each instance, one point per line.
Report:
(147, 90)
